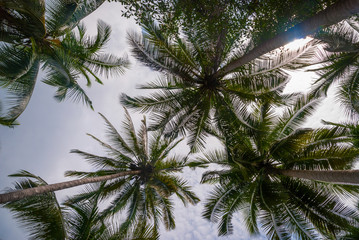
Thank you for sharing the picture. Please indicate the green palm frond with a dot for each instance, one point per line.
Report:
(291, 58)
(273, 225)
(250, 212)
(193, 93)
(336, 66)
(94, 44)
(83, 9)
(156, 101)
(271, 218)
(142, 231)
(67, 86)
(166, 211)
(339, 63)
(184, 193)
(123, 197)
(86, 49)
(160, 154)
(21, 19)
(116, 140)
(340, 37)
(352, 129)
(196, 137)
(33, 34)
(132, 210)
(288, 146)
(295, 116)
(185, 118)
(104, 162)
(106, 65)
(4, 121)
(145, 196)
(252, 82)
(130, 134)
(20, 91)
(302, 229)
(83, 221)
(348, 94)
(155, 51)
(15, 62)
(58, 13)
(217, 201)
(342, 217)
(63, 16)
(216, 157)
(249, 179)
(18, 73)
(40, 215)
(233, 203)
(233, 114)
(335, 157)
(97, 191)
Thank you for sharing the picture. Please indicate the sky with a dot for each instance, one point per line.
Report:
(49, 130)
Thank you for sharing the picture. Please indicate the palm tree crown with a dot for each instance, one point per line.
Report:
(339, 58)
(34, 35)
(146, 195)
(190, 96)
(44, 218)
(254, 177)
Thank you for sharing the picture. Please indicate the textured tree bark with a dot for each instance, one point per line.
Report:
(17, 195)
(333, 14)
(347, 177)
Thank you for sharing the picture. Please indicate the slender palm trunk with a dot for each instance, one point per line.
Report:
(17, 195)
(347, 177)
(331, 15)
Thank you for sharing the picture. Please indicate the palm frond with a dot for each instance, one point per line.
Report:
(295, 116)
(103, 162)
(115, 137)
(131, 136)
(40, 215)
(155, 51)
(327, 213)
(83, 221)
(63, 16)
(215, 157)
(21, 89)
(60, 76)
(22, 20)
(271, 218)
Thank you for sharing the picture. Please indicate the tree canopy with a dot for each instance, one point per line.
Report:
(222, 67)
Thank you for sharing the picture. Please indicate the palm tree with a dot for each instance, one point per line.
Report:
(33, 35)
(146, 195)
(331, 15)
(40, 215)
(21, 194)
(338, 59)
(189, 97)
(44, 218)
(138, 171)
(284, 179)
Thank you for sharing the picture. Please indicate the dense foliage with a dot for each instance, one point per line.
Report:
(35, 36)
(287, 181)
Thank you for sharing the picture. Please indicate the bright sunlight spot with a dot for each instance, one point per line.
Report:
(298, 43)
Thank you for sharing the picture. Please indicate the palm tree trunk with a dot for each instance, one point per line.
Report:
(17, 195)
(347, 177)
(331, 15)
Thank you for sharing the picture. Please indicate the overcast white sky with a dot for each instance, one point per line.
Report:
(49, 130)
